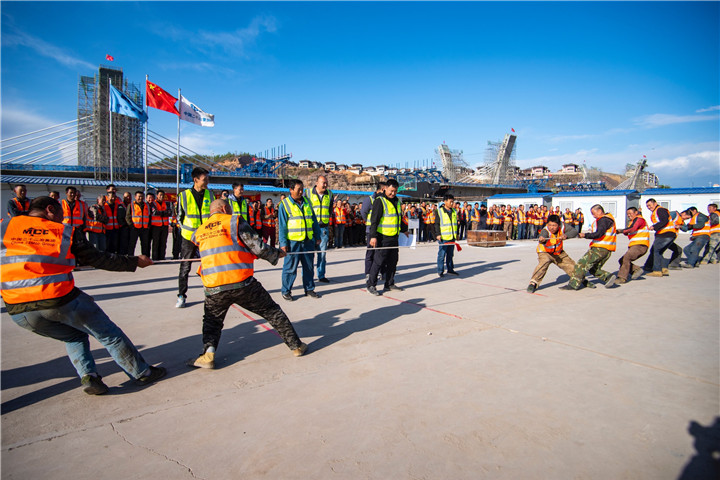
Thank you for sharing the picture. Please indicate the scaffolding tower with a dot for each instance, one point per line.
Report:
(499, 158)
(94, 120)
(636, 180)
(453, 164)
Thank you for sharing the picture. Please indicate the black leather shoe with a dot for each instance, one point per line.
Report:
(311, 293)
(453, 273)
(287, 297)
(323, 280)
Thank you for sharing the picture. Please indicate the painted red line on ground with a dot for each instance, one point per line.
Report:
(424, 308)
(498, 286)
(256, 321)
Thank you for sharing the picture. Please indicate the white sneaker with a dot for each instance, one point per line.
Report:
(180, 302)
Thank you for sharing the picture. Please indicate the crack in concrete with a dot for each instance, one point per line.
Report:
(124, 438)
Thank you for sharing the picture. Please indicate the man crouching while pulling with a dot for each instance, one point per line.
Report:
(228, 247)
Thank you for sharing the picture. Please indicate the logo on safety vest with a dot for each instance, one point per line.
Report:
(35, 231)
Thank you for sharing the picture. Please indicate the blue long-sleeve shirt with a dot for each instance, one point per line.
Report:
(283, 219)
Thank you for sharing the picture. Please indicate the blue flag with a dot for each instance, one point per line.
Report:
(120, 103)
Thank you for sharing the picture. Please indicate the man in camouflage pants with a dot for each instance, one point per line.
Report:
(227, 244)
(604, 238)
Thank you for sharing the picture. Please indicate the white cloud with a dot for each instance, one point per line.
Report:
(663, 119)
(208, 68)
(18, 121)
(204, 142)
(45, 49)
(707, 161)
(235, 42)
(709, 109)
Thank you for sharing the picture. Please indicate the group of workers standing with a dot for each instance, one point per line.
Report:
(42, 239)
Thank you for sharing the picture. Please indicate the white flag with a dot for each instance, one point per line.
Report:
(193, 114)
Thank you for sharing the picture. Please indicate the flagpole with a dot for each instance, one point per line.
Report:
(147, 126)
(177, 157)
(111, 135)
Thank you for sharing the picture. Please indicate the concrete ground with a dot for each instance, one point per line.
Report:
(454, 378)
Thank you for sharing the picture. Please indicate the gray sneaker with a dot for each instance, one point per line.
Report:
(180, 302)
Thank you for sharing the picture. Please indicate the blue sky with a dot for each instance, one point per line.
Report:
(372, 83)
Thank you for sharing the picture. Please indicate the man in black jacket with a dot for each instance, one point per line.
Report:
(63, 311)
(385, 225)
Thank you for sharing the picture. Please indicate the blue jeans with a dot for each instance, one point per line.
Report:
(97, 240)
(445, 256)
(290, 265)
(321, 257)
(72, 323)
(693, 249)
(339, 235)
(658, 247)
(521, 231)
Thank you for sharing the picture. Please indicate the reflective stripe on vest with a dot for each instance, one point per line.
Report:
(699, 231)
(269, 220)
(194, 215)
(223, 259)
(321, 207)
(390, 222)
(155, 219)
(22, 208)
(554, 244)
(299, 223)
(340, 215)
(240, 207)
(141, 217)
(608, 240)
(75, 217)
(714, 228)
(448, 224)
(670, 227)
(112, 214)
(36, 260)
(641, 237)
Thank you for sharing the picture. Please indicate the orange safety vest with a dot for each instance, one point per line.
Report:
(251, 216)
(22, 208)
(94, 226)
(521, 218)
(36, 260)
(75, 217)
(671, 226)
(640, 237)
(348, 218)
(155, 219)
(607, 241)
(554, 244)
(340, 215)
(700, 231)
(475, 215)
(112, 214)
(568, 217)
(224, 260)
(141, 218)
(258, 219)
(269, 220)
(430, 217)
(713, 228)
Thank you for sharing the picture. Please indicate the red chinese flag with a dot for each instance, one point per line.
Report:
(160, 99)
(513, 130)
(109, 57)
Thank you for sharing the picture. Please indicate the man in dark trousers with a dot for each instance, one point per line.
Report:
(365, 211)
(228, 246)
(138, 218)
(665, 234)
(385, 226)
(193, 211)
(446, 231)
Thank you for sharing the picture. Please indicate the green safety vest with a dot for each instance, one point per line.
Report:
(194, 216)
(390, 222)
(321, 207)
(448, 224)
(240, 208)
(299, 224)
